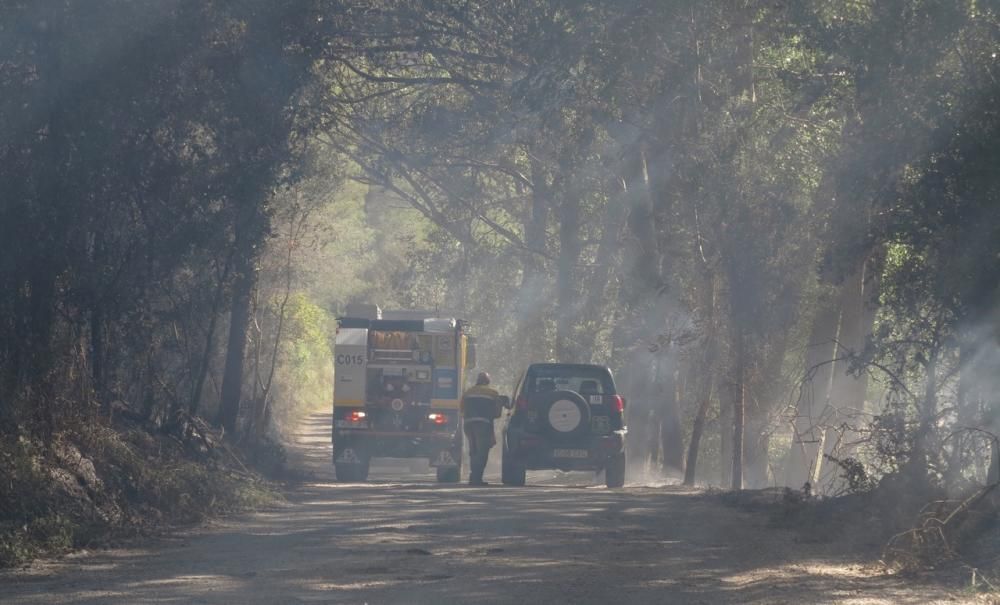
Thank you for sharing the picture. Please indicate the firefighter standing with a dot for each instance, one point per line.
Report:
(480, 406)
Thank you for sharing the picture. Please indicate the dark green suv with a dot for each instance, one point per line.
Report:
(565, 416)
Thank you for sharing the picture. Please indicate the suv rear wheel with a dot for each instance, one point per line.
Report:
(511, 473)
(614, 472)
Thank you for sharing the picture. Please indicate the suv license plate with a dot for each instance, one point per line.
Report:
(563, 453)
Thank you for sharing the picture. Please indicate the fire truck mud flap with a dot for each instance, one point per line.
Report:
(351, 464)
(448, 465)
(446, 459)
(348, 455)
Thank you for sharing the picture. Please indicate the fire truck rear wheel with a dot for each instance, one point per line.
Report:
(451, 474)
(352, 473)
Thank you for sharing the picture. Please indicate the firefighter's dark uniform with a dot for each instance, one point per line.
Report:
(480, 407)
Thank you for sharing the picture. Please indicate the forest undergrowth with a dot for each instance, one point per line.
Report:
(915, 531)
(99, 483)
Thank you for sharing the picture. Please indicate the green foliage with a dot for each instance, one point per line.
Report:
(305, 381)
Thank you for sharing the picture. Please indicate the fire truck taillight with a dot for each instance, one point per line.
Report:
(437, 418)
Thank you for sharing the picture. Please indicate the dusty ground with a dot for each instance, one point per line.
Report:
(405, 539)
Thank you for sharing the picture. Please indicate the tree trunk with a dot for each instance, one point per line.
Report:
(148, 390)
(671, 431)
(993, 476)
(239, 321)
(765, 390)
(257, 391)
(206, 358)
(97, 356)
(697, 429)
(567, 291)
(262, 412)
(704, 392)
(726, 408)
(965, 408)
(918, 464)
(808, 438)
(857, 318)
(739, 405)
(738, 288)
(757, 474)
(532, 293)
(645, 254)
(847, 392)
(597, 299)
(643, 436)
(706, 382)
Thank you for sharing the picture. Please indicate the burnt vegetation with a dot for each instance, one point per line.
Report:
(778, 223)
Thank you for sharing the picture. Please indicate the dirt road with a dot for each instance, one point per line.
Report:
(405, 539)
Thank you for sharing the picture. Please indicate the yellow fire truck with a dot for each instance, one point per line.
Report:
(398, 377)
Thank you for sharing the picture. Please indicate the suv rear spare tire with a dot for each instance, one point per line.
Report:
(563, 413)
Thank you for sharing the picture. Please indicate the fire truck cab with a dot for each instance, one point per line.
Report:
(398, 377)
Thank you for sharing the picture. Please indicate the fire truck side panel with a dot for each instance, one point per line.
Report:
(350, 365)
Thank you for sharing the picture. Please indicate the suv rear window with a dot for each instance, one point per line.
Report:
(586, 380)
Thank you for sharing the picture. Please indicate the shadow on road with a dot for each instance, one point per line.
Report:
(403, 541)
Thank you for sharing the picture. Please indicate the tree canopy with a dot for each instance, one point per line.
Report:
(778, 222)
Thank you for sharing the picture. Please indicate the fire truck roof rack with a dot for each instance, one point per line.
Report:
(432, 325)
(409, 314)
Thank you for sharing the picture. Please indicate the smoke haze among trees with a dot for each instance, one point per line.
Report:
(778, 222)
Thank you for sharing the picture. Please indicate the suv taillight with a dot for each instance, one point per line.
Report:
(616, 403)
(521, 403)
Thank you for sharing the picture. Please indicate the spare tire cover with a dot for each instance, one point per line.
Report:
(564, 413)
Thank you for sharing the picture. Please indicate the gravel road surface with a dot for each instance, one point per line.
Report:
(405, 539)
